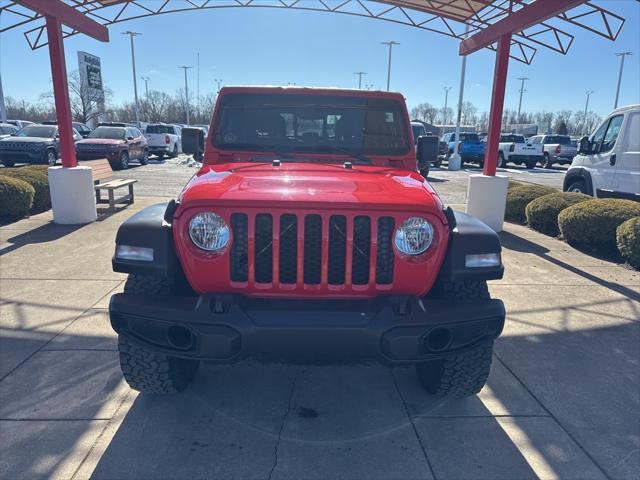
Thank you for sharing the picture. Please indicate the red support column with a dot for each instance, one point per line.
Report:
(61, 92)
(497, 104)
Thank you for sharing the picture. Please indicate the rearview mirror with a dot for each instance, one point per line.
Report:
(193, 142)
(584, 147)
(427, 150)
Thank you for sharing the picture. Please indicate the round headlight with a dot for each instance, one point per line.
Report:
(414, 236)
(209, 231)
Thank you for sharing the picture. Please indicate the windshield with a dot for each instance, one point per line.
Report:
(113, 133)
(418, 130)
(42, 131)
(561, 139)
(311, 124)
(469, 137)
(159, 129)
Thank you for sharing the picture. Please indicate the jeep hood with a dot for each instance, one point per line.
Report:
(310, 185)
(99, 141)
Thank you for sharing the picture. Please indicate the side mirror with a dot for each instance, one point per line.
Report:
(584, 147)
(427, 150)
(129, 138)
(193, 142)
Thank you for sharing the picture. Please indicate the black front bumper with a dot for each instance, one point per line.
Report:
(227, 328)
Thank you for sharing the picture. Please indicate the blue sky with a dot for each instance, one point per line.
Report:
(269, 46)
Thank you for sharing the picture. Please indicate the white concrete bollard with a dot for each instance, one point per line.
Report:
(73, 198)
(455, 162)
(487, 199)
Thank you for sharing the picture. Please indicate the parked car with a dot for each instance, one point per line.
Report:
(7, 129)
(470, 148)
(555, 149)
(515, 149)
(83, 129)
(307, 236)
(119, 145)
(163, 139)
(32, 144)
(608, 162)
(20, 123)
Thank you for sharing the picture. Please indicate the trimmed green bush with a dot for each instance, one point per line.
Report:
(16, 197)
(592, 225)
(628, 240)
(39, 180)
(519, 197)
(542, 213)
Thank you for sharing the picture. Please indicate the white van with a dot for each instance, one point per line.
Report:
(608, 162)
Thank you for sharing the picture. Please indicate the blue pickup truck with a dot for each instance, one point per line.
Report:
(470, 148)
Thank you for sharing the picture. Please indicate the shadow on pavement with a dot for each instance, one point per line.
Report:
(519, 244)
(49, 232)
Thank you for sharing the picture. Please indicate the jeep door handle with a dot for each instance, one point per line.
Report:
(612, 160)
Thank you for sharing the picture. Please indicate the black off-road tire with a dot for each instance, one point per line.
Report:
(463, 374)
(459, 375)
(152, 372)
(143, 369)
(464, 292)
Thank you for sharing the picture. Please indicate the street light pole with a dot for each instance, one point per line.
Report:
(186, 91)
(455, 161)
(390, 45)
(3, 110)
(360, 74)
(446, 100)
(135, 80)
(522, 80)
(621, 55)
(586, 107)
(146, 94)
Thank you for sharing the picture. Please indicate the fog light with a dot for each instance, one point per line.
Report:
(479, 260)
(140, 254)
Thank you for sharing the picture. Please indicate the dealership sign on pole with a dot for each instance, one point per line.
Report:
(91, 87)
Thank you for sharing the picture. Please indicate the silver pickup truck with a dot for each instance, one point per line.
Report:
(556, 149)
(514, 148)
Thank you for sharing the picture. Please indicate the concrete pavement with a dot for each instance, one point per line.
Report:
(563, 398)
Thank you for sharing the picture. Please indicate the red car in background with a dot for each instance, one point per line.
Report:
(118, 144)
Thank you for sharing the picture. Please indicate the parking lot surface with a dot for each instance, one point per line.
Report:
(562, 400)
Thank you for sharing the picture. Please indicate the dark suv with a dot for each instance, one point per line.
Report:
(119, 145)
(32, 144)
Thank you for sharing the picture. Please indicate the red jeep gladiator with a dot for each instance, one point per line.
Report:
(309, 235)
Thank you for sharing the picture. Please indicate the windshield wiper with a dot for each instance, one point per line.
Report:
(277, 151)
(331, 149)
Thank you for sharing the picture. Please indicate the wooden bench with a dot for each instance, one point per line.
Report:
(101, 170)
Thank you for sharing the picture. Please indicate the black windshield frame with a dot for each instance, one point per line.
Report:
(311, 123)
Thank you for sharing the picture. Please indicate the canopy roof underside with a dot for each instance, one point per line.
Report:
(447, 17)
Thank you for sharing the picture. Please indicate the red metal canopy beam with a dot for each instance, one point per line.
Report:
(56, 14)
(527, 16)
(68, 16)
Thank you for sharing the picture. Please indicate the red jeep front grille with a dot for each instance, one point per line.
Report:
(285, 250)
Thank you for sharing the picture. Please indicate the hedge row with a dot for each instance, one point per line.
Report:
(628, 239)
(16, 198)
(37, 177)
(605, 226)
(518, 197)
(593, 225)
